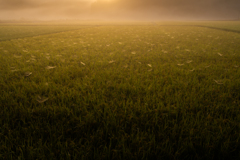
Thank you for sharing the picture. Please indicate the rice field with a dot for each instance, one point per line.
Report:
(129, 90)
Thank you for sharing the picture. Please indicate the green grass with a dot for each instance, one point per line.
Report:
(234, 25)
(120, 92)
(231, 25)
(17, 31)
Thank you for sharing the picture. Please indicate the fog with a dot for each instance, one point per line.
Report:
(44, 9)
(119, 9)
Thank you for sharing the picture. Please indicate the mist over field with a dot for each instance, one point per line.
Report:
(119, 79)
(120, 9)
(44, 10)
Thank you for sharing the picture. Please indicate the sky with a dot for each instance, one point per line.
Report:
(119, 9)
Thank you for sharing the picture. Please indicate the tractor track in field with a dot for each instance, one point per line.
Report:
(209, 27)
(48, 33)
(222, 29)
(93, 26)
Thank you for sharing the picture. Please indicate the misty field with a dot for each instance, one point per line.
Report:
(146, 90)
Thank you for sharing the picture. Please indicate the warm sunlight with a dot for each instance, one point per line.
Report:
(119, 79)
(119, 9)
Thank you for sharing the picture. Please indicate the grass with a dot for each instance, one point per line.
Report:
(11, 31)
(224, 25)
(120, 92)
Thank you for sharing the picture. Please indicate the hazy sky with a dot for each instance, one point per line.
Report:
(113, 9)
(44, 9)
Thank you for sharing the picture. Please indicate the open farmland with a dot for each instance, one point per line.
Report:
(120, 91)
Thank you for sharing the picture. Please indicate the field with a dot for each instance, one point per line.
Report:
(129, 90)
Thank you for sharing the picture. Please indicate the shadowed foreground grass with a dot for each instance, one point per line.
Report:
(121, 92)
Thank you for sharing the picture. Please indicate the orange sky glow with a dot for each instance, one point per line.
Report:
(118, 9)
